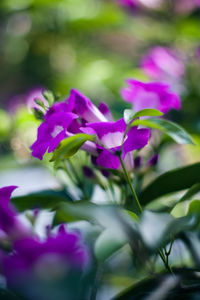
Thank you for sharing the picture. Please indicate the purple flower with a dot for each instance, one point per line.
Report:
(88, 172)
(111, 136)
(127, 3)
(82, 106)
(9, 222)
(186, 6)
(153, 160)
(162, 62)
(152, 4)
(137, 162)
(150, 95)
(34, 95)
(78, 114)
(61, 121)
(51, 132)
(104, 109)
(58, 254)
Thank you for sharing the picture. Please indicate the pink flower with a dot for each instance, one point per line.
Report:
(161, 62)
(150, 95)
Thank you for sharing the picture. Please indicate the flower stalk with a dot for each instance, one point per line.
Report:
(131, 186)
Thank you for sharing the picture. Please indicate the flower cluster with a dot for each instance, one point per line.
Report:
(30, 257)
(77, 114)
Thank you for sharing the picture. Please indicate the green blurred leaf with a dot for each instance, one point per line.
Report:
(148, 112)
(129, 114)
(5, 124)
(8, 295)
(104, 215)
(71, 145)
(157, 228)
(107, 243)
(176, 132)
(194, 208)
(145, 288)
(171, 181)
(191, 192)
(43, 199)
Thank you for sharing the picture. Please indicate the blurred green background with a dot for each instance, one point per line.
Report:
(91, 45)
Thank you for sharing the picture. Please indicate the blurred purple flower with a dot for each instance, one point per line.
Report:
(161, 62)
(137, 162)
(88, 172)
(153, 160)
(132, 4)
(150, 95)
(9, 222)
(186, 6)
(30, 256)
(127, 3)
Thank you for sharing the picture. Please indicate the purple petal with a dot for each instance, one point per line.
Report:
(85, 108)
(136, 139)
(150, 95)
(104, 128)
(104, 109)
(162, 61)
(5, 193)
(108, 160)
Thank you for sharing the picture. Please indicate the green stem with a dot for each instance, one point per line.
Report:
(165, 262)
(131, 186)
(140, 210)
(79, 181)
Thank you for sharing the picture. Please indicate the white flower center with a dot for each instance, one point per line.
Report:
(57, 130)
(112, 139)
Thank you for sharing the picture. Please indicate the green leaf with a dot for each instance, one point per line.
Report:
(148, 112)
(108, 242)
(43, 199)
(71, 145)
(145, 288)
(194, 208)
(176, 132)
(168, 226)
(118, 226)
(191, 192)
(129, 114)
(8, 295)
(171, 181)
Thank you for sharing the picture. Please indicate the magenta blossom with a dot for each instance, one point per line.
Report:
(150, 4)
(9, 222)
(111, 135)
(64, 250)
(150, 95)
(51, 132)
(60, 121)
(161, 62)
(127, 3)
(79, 115)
